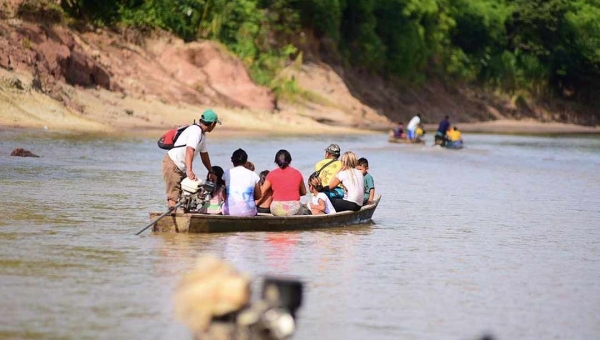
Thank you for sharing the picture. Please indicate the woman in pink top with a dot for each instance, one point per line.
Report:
(287, 184)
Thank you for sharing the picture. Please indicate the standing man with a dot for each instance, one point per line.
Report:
(177, 163)
(328, 168)
(440, 135)
(412, 126)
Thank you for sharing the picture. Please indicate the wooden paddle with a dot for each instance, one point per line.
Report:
(161, 216)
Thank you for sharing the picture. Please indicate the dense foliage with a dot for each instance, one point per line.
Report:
(545, 47)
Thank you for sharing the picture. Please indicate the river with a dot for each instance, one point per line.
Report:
(501, 238)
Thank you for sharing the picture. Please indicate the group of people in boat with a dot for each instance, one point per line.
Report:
(341, 182)
(414, 129)
(446, 134)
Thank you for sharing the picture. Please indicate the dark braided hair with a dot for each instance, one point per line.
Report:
(283, 159)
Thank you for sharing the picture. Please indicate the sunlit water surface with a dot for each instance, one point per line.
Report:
(502, 238)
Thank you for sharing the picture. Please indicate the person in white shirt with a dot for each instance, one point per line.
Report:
(177, 163)
(353, 182)
(242, 187)
(319, 203)
(413, 125)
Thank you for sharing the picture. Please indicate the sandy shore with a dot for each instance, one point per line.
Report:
(106, 112)
(520, 127)
(113, 113)
(527, 127)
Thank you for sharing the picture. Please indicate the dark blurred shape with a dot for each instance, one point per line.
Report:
(273, 317)
(283, 293)
(23, 153)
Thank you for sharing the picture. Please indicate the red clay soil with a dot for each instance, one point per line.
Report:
(160, 67)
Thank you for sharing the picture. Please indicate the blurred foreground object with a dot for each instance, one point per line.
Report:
(213, 301)
(211, 290)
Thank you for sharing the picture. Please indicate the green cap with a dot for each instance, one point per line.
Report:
(210, 116)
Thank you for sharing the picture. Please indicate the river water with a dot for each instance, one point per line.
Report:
(501, 238)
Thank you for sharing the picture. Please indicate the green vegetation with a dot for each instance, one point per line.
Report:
(543, 47)
(41, 11)
(26, 43)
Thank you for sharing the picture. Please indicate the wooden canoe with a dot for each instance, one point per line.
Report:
(393, 139)
(202, 223)
(405, 140)
(454, 145)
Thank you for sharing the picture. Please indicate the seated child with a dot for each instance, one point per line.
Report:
(454, 135)
(420, 132)
(249, 165)
(399, 131)
(215, 205)
(319, 203)
(363, 166)
(263, 205)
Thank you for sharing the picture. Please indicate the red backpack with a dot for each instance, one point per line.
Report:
(167, 141)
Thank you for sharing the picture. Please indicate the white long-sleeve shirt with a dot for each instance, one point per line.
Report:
(414, 122)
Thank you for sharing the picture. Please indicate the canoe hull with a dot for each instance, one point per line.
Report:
(201, 223)
(405, 141)
(393, 139)
(454, 145)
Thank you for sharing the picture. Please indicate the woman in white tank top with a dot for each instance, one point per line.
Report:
(353, 182)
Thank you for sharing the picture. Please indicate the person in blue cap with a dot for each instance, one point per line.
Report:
(177, 163)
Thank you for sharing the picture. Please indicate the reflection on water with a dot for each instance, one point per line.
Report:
(499, 237)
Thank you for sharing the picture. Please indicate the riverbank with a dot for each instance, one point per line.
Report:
(99, 82)
(106, 112)
(525, 127)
